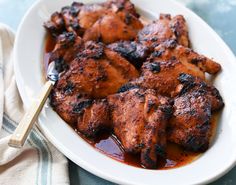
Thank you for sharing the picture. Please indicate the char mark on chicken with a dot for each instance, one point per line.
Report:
(134, 52)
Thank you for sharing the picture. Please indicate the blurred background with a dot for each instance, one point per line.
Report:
(219, 14)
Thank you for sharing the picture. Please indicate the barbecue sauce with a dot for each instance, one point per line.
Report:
(108, 144)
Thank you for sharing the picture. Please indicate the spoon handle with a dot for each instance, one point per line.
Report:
(19, 136)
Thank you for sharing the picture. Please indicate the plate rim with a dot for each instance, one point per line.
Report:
(56, 143)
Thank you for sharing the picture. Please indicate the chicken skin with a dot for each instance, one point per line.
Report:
(165, 28)
(94, 69)
(190, 124)
(139, 121)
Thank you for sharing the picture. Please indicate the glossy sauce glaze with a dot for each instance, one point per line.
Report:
(110, 145)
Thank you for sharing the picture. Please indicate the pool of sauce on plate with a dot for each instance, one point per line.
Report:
(176, 156)
(109, 145)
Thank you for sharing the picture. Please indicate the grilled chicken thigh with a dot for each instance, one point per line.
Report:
(170, 49)
(93, 72)
(162, 75)
(110, 28)
(80, 111)
(139, 121)
(190, 124)
(167, 62)
(90, 13)
(165, 28)
(78, 17)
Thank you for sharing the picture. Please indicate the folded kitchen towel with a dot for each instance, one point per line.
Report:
(38, 162)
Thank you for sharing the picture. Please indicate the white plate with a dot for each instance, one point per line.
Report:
(215, 162)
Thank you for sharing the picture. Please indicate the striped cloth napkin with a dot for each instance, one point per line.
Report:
(38, 162)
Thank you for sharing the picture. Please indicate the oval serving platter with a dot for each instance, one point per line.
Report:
(216, 161)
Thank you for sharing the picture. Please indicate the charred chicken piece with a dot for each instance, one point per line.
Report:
(134, 52)
(190, 124)
(90, 13)
(111, 28)
(167, 62)
(139, 121)
(165, 28)
(163, 75)
(170, 49)
(97, 71)
(67, 46)
(78, 17)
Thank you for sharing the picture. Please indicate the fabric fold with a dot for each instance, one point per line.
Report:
(38, 162)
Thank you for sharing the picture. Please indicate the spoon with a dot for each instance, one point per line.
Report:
(19, 136)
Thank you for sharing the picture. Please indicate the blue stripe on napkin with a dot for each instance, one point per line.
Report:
(38, 142)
